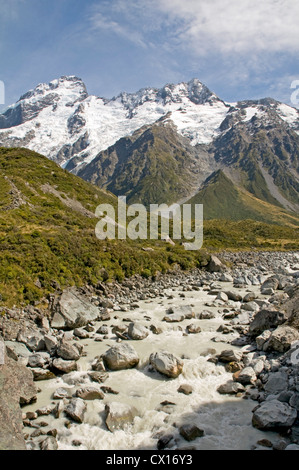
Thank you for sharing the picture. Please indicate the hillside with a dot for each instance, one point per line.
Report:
(47, 233)
(222, 199)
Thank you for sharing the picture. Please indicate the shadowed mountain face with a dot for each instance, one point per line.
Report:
(258, 159)
(165, 145)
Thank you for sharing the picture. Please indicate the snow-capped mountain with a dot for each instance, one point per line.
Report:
(162, 143)
(60, 120)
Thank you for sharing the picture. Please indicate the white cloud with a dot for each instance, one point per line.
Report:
(204, 26)
(235, 26)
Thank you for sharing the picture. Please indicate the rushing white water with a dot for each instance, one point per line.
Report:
(225, 420)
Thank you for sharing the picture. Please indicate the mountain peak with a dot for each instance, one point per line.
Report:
(70, 85)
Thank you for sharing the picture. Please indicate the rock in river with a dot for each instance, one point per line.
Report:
(274, 414)
(118, 415)
(166, 363)
(76, 409)
(121, 356)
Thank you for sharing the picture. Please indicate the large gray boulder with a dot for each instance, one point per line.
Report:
(120, 356)
(32, 338)
(137, 331)
(71, 310)
(167, 364)
(265, 320)
(16, 386)
(274, 414)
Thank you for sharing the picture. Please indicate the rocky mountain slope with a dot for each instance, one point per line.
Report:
(163, 145)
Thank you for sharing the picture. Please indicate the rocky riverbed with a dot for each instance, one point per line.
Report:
(199, 360)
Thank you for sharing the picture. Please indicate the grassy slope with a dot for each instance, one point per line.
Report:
(46, 239)
(224, 200)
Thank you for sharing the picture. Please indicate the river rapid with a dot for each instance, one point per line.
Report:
(225, 420)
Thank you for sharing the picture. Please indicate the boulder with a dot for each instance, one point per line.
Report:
(206, 315)
(234, 295)
(90, 393)
(119, 415)
(281, 339)
(230, 388)
(16, 386)
(166, 363)
(18, 351)
(274, 414)
(67, 351)
(230, 355)
(190, 432)
(174, 317)
(270, 285)
(251, 306)
(277, 382)
(65, 366)
(291, 308)
(262, 339)
(42, 374)
(71, 310)
(250, 297)
(137, 331)
(33, 339)
(121, 356)
(186, 389)
(178, 314)
(81, 333)
(246, 376)
(39, 360)
(226, 277)
(215, 265)
(222, 296)
(265, 320)
(193, 328)
(76, 409)
(51, 343)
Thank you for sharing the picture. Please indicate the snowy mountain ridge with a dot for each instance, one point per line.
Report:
(63, 122)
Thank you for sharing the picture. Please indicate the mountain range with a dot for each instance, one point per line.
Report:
(180, 143)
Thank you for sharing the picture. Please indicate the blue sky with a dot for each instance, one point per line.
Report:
(241, 49)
